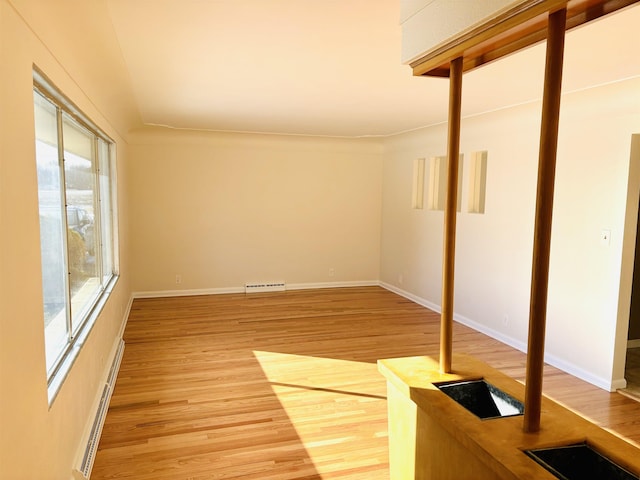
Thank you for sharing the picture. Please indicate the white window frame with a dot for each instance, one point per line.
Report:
(76, 338)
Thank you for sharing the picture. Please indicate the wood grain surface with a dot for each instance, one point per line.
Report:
(285, 385)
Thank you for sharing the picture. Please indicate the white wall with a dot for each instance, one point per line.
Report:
(494, 250)
(38, 441)
(224, 209)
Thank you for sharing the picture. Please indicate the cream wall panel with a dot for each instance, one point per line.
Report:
(494, 250)
(81, 37)
(221, 210)
(38, 441)
(409, 8)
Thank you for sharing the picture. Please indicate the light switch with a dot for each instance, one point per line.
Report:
(605, 238)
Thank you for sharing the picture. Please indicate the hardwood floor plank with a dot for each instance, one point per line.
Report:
(285, 385)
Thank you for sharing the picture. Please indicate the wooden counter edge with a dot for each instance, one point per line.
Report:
(500, 443)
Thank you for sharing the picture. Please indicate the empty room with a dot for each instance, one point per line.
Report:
(227, 223)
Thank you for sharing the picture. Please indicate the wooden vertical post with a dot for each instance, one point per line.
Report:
(543, 218)
(451, 207)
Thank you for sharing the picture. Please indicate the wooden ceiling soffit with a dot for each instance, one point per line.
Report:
(507, 32)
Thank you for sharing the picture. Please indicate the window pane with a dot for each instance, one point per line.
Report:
(106, 214)
(54, 272)
(81, 198)
(73, 160)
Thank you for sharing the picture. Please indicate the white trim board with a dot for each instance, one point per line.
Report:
(567, 367)
(227, 290)
(187, 293)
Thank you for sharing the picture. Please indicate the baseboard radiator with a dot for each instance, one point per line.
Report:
(88, 454)
(265, 287)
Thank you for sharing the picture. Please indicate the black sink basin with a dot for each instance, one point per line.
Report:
(482, 399)
(579, 462)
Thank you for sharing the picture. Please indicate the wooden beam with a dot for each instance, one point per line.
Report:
(543, 218)
(508, 31)
(451, 207)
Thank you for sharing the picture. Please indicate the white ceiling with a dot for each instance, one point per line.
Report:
(325, 67)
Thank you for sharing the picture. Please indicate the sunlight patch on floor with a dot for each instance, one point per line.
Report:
(331, 402)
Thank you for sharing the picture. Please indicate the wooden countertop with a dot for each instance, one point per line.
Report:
(500, 442)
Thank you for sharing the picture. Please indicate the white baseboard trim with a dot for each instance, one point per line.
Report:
(490, 332)
(410, 296)
(618, 384)
(227, 290)
(512, 342)
(610, 385)
(93, 428)
(187, 293)
(125, 316)
(633, 343)
(310, 286)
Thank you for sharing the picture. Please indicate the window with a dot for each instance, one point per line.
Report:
(73, 160)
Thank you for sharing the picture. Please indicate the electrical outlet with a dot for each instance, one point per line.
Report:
(178, 279)
(505, 320)
(332, 272)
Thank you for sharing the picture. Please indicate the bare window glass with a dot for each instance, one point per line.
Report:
(52, 226)
(76, 221)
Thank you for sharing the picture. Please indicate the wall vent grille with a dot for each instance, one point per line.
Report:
(86, 459)
(264, 287)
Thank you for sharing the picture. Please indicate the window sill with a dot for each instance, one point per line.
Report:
(57, 379)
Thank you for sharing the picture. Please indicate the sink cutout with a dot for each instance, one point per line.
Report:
(579, 462)
(482, 399)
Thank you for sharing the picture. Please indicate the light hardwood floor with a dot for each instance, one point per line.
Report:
(285, 385)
